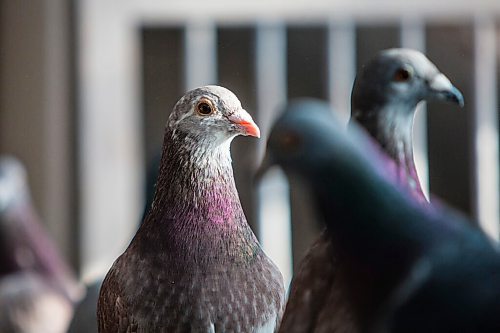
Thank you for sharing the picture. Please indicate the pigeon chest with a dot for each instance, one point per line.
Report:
(173, 298)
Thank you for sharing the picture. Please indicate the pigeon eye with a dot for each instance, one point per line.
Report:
(403, 74)
(204, 107)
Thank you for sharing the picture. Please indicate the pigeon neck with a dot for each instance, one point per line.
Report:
(196, 213)
(363, 207)
(392, 128)
(195, 179)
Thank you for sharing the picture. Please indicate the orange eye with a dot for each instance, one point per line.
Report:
(289, 141)
(403, 74)
(205, 107)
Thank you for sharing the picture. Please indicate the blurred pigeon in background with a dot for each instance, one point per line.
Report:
(404, 267)
(194, 264)
(384, 100)
(37, 288)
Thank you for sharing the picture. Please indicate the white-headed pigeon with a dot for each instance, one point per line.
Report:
(384, 100)
(194, 264)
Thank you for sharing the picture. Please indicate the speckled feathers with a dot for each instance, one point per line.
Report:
(195, 265)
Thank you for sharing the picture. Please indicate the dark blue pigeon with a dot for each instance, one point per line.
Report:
(194, 264)
(384, 100)
(37, 288)
(405, 267)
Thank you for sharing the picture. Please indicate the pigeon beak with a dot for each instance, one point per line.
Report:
(441, 88)
(245, 121)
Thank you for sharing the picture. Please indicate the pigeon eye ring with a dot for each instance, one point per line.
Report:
(205, 107)
(403, 74)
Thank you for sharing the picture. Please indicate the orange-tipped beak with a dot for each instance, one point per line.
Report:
(246, 122)
(250, 128)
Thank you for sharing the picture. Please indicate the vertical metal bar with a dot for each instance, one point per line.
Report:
(341, 65)
(273, 191)
(111, 168)
(271, 73)
(413, 36)
(201, 54)
(486, 205)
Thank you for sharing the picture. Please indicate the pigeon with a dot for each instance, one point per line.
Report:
(405, 267)
(37, 288)
(194, 265)
(383, 101)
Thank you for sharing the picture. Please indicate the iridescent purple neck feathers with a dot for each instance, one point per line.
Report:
(196, 204)
(195, 180)
(392, 131)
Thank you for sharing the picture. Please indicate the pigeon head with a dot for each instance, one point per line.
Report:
(291, 136)
(13, 193)
(196, 145)
(401, 78)
(317, 144)
(385, 95)
(306, 131)
(212, 115)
